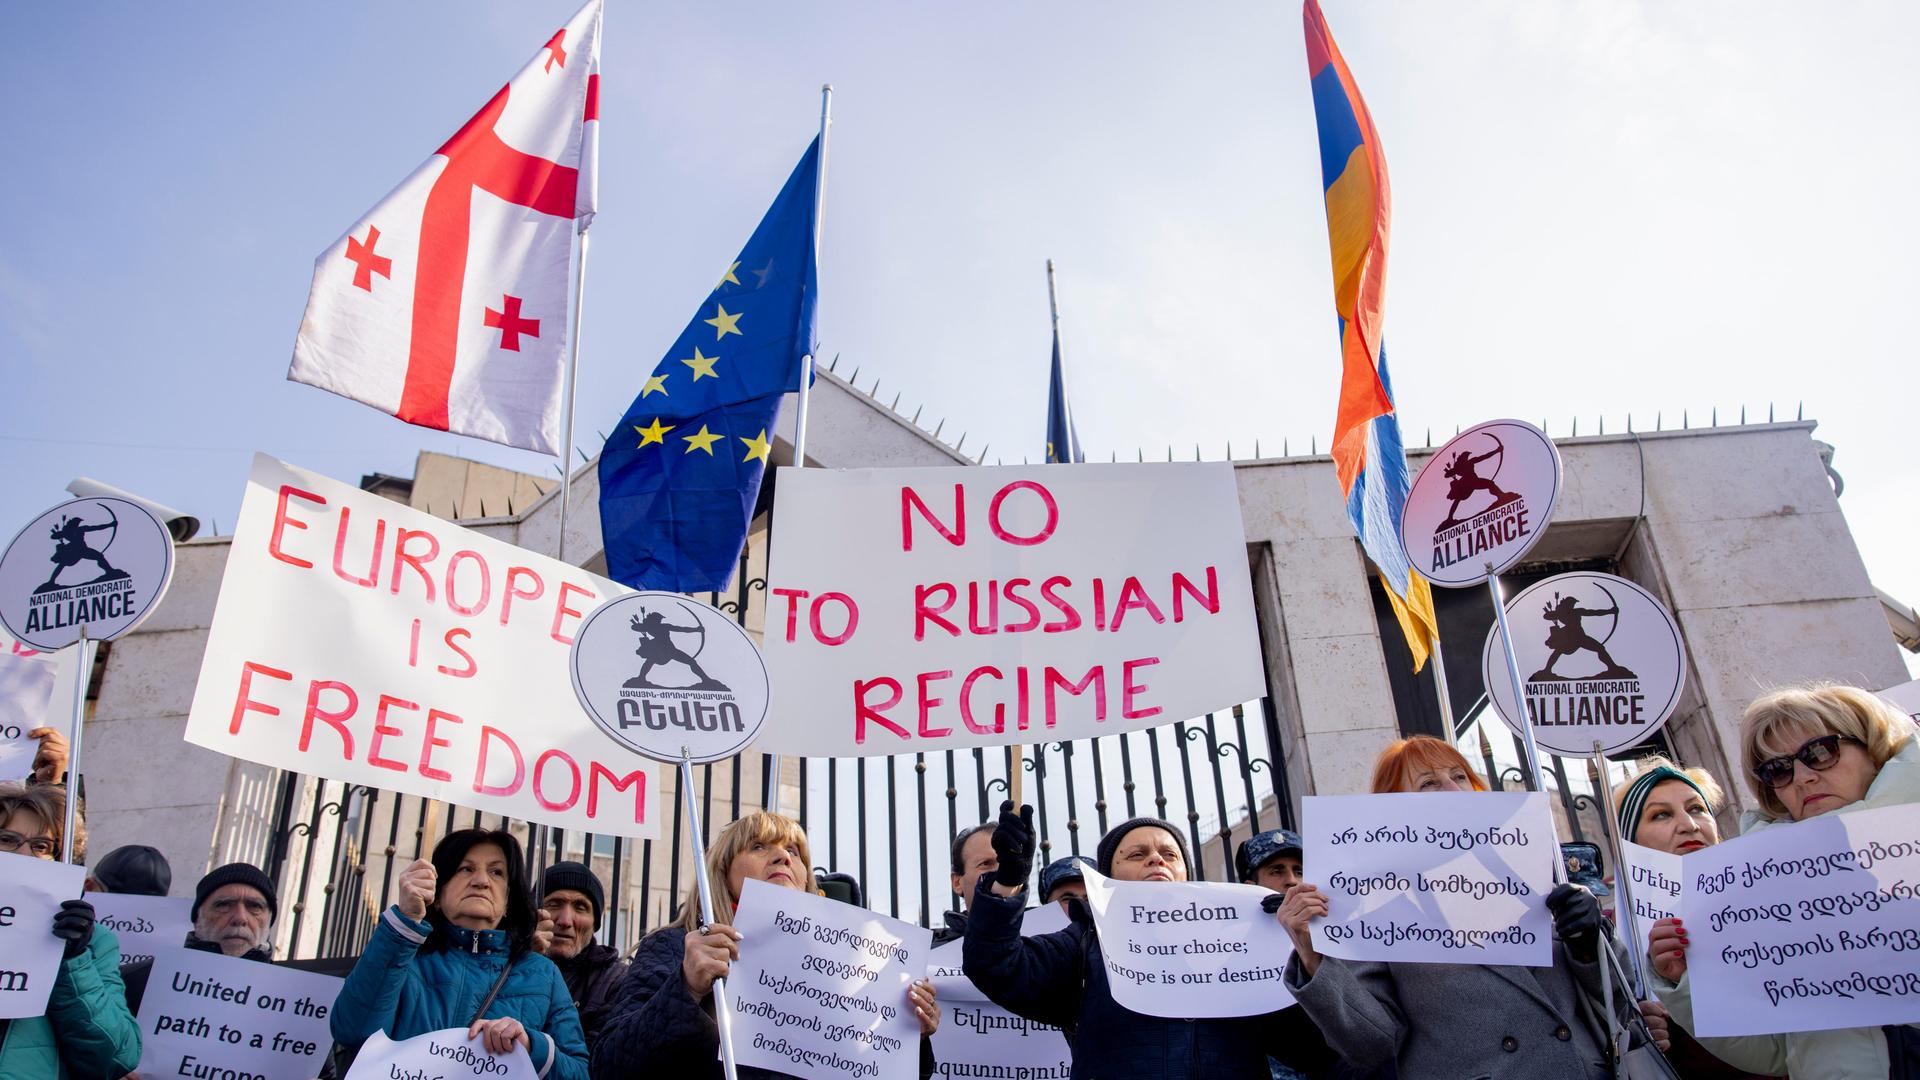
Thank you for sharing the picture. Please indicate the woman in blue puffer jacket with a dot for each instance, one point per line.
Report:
(454, 953)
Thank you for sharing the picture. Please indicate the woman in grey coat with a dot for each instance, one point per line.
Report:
(1465, 1020)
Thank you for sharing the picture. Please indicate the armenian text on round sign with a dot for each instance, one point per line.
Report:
(661, 673)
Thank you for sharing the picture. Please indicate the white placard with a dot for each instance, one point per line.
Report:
(1190, 948)
(27, 678)
(1654, 882)
(1905, 697)
(102, 563)
(1806, 927)
(144, 924)
(1480, 502)
(1433, 877)
(977, 1037)
(438, 1055)
(207, 1009)
(936, 608)
(359, 640)
(1600, 658)
(670, 677)
(820, 989)
(31, 892)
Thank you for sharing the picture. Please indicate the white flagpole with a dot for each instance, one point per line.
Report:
(806, 362)
(573, 383)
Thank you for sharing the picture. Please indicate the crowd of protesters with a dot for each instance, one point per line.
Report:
(468, 945)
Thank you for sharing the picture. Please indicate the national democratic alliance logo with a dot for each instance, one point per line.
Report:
(1600, 660)
(662, 674)
(98, 563)
(1480, 503)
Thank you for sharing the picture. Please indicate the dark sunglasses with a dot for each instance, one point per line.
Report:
(1819, 755)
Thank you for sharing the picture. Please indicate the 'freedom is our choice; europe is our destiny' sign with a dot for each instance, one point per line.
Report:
(360, 640)
(925, 609)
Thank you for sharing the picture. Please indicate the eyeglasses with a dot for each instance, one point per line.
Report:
(41, 846)
(1819, 754)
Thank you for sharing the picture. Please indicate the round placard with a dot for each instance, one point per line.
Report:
(667, 676)
(103, 563)
(1600, 659)
(1480, 503)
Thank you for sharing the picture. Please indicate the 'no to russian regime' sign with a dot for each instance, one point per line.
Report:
(359, 640)
(924, 609)
(1600, 659)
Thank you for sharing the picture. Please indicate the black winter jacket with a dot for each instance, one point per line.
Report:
(1060, 979)
(655, 1028)
(593, 979)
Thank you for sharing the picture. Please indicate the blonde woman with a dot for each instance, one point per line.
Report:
(662, 1024)
(1822, 748)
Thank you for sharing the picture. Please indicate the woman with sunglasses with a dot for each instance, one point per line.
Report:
(1810, 750)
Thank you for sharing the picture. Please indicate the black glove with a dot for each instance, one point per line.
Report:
(1576, 920)
(1271, 902)
(1013, 843)
(74, 925)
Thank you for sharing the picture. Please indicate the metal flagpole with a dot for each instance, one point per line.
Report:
(1625, 917)
(85, 647)
(573, 386)
(1439, 661)
(722, 1012)
(806, 362)
(1524, 721)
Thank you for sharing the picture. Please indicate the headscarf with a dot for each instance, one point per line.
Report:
(1635, 799)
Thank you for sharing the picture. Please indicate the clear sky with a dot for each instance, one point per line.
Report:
(1601, 208)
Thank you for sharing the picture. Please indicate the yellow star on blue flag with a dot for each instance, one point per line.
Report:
(675, 516)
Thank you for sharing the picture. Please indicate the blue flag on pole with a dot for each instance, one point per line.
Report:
(1063, 442)
(680, 474)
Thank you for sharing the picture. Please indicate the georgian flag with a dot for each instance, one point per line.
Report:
(446, 305)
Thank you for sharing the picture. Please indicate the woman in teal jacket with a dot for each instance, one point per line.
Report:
(454, 953)
(86, 1031)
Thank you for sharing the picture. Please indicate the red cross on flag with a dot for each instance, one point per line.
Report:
(446, 305)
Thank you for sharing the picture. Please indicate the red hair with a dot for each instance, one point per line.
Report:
(1394, 769)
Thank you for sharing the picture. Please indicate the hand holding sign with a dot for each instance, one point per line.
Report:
(500, 1035)
(417, 886)
(50, 761)
(708, 955)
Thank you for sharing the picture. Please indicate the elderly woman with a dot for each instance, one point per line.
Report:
(1670, 808)
(1061, 978)
(454, 952)
(662, 1021)
(1809, 750)
(1457, 1019)
(87, 1029)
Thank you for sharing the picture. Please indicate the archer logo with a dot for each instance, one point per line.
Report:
(110, 595)
(1593, 688)
(1501, 517)
(671, 687)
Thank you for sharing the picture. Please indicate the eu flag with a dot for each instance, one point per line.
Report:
(681, 472)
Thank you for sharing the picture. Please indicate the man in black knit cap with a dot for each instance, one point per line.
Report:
(571, 898)
(233, 911)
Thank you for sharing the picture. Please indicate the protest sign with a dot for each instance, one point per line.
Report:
(144, 924)
(435, 1055)
(820, 989)
(1480, 502)
(1806, 927)
(1433, 877)
(927, 609)
(977, 1037)
(359, 640)
(1600, 660)
(1653, 880)
(206, 1010)
(1190, 948)
(31, 892)
(944, 964)
(26, 702)
(108, 598)
(670, 678)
